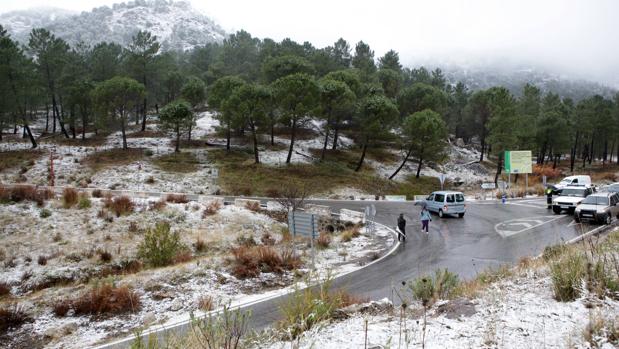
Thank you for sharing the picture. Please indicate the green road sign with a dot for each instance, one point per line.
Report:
(518, 161)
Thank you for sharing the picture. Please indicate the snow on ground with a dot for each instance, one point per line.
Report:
(70, 238)
(515, 313)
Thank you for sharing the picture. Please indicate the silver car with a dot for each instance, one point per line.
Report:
(598, 207)
(446, 203)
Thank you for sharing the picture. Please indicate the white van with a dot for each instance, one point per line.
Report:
(446, 203)
(580, 180)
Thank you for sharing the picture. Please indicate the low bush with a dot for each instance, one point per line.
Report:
(61, 308)
(160, 245)
(246, 240)
(222, 331)
(211, 209)
(12, 316)
(200, 245)
(305, 308)
(601, 330)
(84, 202)
(104, 256)
(549, 172)
(5, 289)
(251, 261)
(121, 205)
(567, 274)
(42, 260)
(428, 289)
(267, 239)
(205, 303)
(323, 241)
(150, 180)
(97, 193)
(183, 256)
(350, 233)
(44, 213)
(158, 205)
(21, 193)
(106, 299)
(253, 206)
(177, 198)
(552, 252)
(70, 197)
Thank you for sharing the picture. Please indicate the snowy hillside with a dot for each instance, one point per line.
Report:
(177, 25)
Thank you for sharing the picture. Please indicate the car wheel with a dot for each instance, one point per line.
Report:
(556, 209)
(460, 215)
(440, 213)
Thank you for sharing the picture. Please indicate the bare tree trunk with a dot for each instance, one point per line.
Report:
(178, 139)
(123, 122)
(408, 153)
(324, 147)
(253, 132)
(365, 147)
(293, 132)
(228, 135)
(144, 115)
(336, 134)
(46, 117)
(419, 163)
(499, 167)
(483, 149)
(32, 140)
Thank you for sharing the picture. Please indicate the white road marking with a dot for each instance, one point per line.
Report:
(523, 222)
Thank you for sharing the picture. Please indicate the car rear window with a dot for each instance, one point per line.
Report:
(439, 197)
(459, 198)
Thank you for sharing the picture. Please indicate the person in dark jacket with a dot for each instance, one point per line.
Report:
(402, 227)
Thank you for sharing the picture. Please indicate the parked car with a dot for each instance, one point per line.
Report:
(599, 207)
(581, 180)
(612, 188)
(569, 198)
(446, 203)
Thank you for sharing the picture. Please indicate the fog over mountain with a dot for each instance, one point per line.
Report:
(566, 46)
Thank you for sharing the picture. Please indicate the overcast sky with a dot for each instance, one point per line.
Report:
(579, 38)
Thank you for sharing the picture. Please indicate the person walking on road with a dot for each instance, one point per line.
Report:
(425, 218)
(402, 228)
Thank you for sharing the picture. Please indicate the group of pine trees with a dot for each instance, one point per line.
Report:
(258, 85)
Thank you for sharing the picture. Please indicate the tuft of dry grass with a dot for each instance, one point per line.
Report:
(253, 206)
(42, 260)
(158, 205)
(121, 205)
(12, 316)
(104, 256)
(349, 234)
(70, 197)
(200, 245)
(107, 299)
(206, 303)
(177, 198)
(183, 256)
(5, 289)
(250, 261)
(61, 307)
(323, 241)
(97, 193)
(212, 208)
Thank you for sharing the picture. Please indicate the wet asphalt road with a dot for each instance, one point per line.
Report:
(491, 234)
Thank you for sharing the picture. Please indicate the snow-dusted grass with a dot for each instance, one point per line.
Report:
(517, 310)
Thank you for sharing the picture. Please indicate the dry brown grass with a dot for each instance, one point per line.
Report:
(206, 303)
(106, 299)
(12, 316)
(253, 206)
(19, 193)
(70, 197)
(323, 241)
(183, 256)
(212, 208)
(158, 205)
(349, 234)
(112, 158)
(184, 162)
(200, 245)
(121, 205)
(18, 158)
(61, 307)
(251, 261)
(5, 289)
(177, 198)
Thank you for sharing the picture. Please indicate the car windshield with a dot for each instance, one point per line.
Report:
(573, 192)
(459, 198)
(566, 181)
(596, 200)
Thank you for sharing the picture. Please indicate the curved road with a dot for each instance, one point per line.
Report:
(491, 234)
